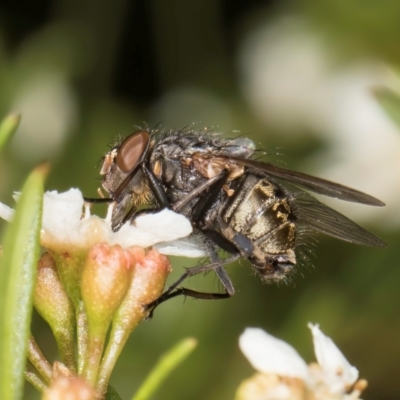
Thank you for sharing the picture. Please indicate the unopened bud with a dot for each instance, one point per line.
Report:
(70, 262)
(105, 280)
(150, 274)
(148, 281)
(53, 304)
(147, 284)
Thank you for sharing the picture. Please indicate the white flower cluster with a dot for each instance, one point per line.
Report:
(286, 376)
(65, 223)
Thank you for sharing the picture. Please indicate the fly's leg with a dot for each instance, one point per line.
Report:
(133, 214)
(157, 188)
(174, 290)
(215, 265)
(97, 201)
(159, 194)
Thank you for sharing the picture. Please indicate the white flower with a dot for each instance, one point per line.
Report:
(337, 372)
(271, 355)
(64, 223)
(285, 371)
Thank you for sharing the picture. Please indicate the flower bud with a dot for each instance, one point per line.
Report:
(70, 262)
(149, 276)
(53, 304)
(150, 273)
(105, 280)
(104, 283)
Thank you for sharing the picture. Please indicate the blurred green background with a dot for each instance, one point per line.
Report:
(298, 77)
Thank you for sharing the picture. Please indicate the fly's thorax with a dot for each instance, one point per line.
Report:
(187, 142)
(184, 160)
(168, 171)
(177, 178)
(210, 167)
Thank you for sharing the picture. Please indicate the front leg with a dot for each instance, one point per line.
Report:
(157, 188)
(133, 214)
(101, 200)
(159, 194)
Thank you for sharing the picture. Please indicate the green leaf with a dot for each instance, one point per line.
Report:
(164, 367)
(390, 101)
(18, 273)
(8, 127)
(112, 394)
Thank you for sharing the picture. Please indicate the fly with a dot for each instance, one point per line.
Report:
(236, 203)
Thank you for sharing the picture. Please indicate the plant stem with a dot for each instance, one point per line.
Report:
(38, 360)
(35, 380)
(65, 343)
(83, 336)
(91, 369)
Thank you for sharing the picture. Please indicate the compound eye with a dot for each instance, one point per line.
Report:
(131, 150)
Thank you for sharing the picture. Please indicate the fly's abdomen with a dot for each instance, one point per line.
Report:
(261, 211)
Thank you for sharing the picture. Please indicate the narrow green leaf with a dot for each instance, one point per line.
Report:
(8, 127)
(390, 101)
(112, 394)
(164, 367)
(18, 273)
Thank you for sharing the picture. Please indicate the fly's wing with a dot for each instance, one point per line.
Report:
(312, 183)
(323, 219)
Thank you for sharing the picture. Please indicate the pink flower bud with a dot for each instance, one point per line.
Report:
(149, 276)
(105, 280)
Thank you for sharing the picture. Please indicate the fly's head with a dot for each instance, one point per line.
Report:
(121, 164)
(123, 178)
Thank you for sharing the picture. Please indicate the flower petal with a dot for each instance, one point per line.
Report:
(154, 228)
(186, 247)
(62, 214)
(338, 373)
(63, 221)
(6, 213)
(272, 356)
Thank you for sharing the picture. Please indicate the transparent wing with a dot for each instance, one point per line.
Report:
(316, 185)
(323, 219)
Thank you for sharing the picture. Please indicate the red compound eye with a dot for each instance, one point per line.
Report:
(131, 150)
